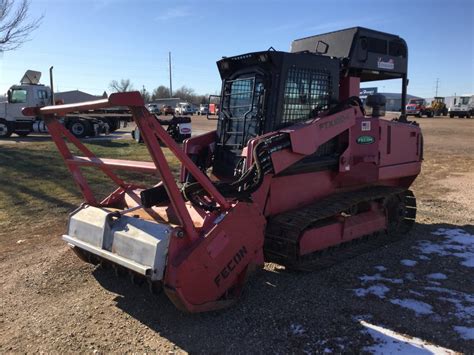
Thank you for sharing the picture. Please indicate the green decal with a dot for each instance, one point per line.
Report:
(365, 140)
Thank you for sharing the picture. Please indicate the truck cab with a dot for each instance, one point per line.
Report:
(28, 94)
(463, 107)
(416, 107)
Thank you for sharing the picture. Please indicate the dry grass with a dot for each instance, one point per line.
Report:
(37, 190)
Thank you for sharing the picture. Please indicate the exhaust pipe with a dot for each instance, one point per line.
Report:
(51, 84)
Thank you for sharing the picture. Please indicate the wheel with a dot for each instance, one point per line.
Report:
(5, 129)
(114, 124)
(468, 115)
(23, 133)
(451, 115)
(419, 115)
(137, 136)
(80, 128)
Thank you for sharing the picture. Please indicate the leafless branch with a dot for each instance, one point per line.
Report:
(122, 86)
(14, 25)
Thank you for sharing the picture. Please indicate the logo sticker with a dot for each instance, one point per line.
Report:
(389, 64)
(365, 140)
(365, 126)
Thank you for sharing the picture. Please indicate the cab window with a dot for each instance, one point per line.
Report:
(18, 96)
(306, 91)
(42, 94)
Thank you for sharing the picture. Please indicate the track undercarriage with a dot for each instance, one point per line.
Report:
(285, 231)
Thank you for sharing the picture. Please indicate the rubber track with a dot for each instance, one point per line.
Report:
(285, 230)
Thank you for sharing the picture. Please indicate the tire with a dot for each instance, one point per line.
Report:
(114, 125)
(468, 115)
(5, 129)
(420, 115)
(23, 133)
(80, 128)
(451, 115)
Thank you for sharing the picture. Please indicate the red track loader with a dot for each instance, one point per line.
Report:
(296, 170)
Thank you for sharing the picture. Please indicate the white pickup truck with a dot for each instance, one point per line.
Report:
(184, 108)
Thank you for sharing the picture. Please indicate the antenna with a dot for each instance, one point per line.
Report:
(437, 84)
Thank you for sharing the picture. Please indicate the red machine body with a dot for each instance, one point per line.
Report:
(286, 207)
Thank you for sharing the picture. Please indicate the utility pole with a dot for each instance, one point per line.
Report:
(437, 84)
(171, 81)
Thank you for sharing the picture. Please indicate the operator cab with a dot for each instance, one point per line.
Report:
(263, 92)
(266, 91)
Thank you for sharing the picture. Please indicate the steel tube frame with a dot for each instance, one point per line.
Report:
(151, 131)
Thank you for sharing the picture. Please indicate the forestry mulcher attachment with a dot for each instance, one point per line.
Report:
(296, 170)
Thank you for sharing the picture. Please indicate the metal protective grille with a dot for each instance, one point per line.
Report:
(240, 98)
(306, 91)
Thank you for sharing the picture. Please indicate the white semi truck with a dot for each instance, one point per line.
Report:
(463, 107)
(30, 93)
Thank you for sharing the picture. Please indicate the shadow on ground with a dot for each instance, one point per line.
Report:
(296, 312)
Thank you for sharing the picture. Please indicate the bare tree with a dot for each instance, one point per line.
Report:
(185, 93)
(161, 92)
(145, 94)
(14, 25)
(122, 86)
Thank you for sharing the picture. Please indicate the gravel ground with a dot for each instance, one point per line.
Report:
(421, 286)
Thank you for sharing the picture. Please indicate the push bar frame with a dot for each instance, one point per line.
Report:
(152, 134)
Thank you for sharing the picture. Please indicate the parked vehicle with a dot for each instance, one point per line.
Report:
(167, 110)
(179, 128)
(33, 94)
(463, 107)
(154, 108)
(278, 181)
(203, 110)
(439, 106)
(418, 108)
(184, 108)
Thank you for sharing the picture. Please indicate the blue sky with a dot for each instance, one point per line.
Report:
(91, 42)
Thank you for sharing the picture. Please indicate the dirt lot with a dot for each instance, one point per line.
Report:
(421, 286)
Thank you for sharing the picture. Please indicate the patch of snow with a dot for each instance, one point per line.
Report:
(410, 276)
(463, 302)
(327, 351)
(416, 306)
(380, 268)
(465, 332)
(419, 294)
(468, 258)
(436, 283)
(467, 297)
(378, 290)
(423, 257)
(437, 276)
(390, 342)
(457, 243)
(408, 262)
(379, 277)
(297, 329)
